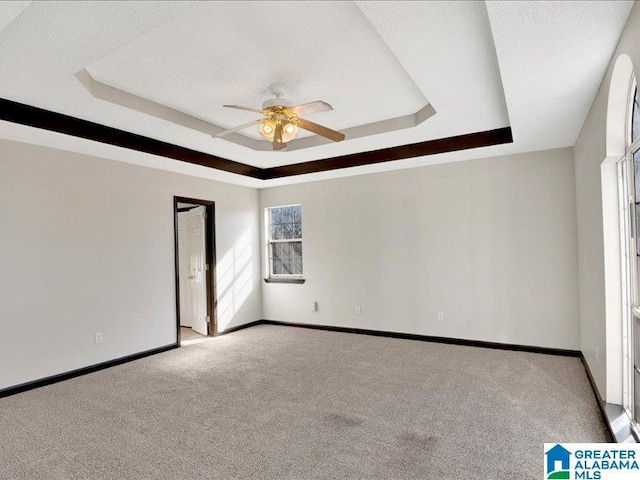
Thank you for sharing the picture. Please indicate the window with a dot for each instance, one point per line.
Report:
(633, 154)
(629, 172)
(285, 241)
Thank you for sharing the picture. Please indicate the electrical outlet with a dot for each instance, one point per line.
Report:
(441, 316)
(98, 338)
(358, 309)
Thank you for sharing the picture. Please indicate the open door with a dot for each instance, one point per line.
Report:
(197, 270)
(184, 254)
(195, 261)
(192, 259)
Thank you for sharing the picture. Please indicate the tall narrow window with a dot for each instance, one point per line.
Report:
(629, 173)
(285, 241)
(633, 153)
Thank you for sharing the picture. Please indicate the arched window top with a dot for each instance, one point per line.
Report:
(635, 117)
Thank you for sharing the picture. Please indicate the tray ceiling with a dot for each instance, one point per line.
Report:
(371, 60)
(202, 60)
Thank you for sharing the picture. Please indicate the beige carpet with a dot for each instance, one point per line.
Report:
(280, 402)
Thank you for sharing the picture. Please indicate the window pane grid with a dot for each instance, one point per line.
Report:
(285, 240)
(286, 258)
(297, 240)
(285, 223)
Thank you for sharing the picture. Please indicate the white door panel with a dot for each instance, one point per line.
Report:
(184, 270)
(197, 264)
(192, 269)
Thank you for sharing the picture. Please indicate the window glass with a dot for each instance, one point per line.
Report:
(285, 240)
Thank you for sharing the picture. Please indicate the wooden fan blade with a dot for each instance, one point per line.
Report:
(240, 107)
(239, 127)
(279, 146)
(312, 107)
(320, 130)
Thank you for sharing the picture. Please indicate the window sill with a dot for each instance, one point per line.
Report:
(620, 425)
(284, 280)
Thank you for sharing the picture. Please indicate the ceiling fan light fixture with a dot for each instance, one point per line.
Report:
(289, 132)
(268, 128)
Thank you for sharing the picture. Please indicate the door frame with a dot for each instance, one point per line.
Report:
(210, 245)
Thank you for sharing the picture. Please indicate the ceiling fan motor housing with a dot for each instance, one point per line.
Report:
(276, 102)
(277, 90)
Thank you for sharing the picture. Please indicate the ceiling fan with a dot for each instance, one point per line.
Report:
(280, 119)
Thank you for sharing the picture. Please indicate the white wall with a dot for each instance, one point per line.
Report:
(590, 152)
(491, 243)
(87, 245)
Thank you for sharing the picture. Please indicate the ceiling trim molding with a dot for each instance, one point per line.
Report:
(28, 115)
(117, 96)
(430, 147)
(15, 112)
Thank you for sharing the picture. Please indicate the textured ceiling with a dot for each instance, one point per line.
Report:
(202, 60)
(533, 65)
(10, 10)
(553, 56)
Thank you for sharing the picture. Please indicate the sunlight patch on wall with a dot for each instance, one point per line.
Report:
(235, 279)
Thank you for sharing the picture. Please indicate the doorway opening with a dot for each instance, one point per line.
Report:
(195, 262)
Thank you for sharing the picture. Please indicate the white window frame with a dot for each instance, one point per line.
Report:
(271, 243)
(626, 209)
(630, 290)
